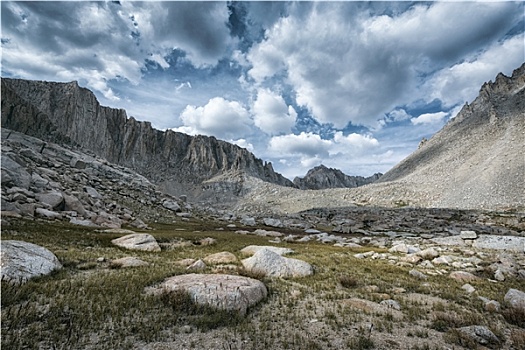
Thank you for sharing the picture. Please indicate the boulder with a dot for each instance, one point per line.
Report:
(138, 241)
(252, 249)
(220, 258)
(418, 274)
(272, 222)
(21, 261)
(197, 265)
(463, 276)
(516, 299)
(92, 192)
(275, 265)
(72, 203)
(14, 174)
(54, 199)
(428, 254)
(248, 221)
(391, 304)
(468, 235)
(108, 220)
(468, 288)
(224, 292)
(128, 261)
(480, 334)
(171, 205)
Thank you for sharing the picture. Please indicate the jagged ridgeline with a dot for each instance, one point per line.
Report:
(322, 177)
(477, 160)
(65, 113)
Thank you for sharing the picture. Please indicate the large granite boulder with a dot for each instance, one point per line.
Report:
(21, 261)
(224, 292)
(138, 241)
(275, 265)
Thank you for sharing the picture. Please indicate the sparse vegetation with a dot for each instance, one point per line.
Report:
(92, 304)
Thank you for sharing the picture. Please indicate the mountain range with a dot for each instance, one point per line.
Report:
(476, 161)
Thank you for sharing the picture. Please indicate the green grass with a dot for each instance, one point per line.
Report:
(90, 305)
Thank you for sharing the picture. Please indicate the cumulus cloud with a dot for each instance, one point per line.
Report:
(272, 115)
(429, 118)
(308, 144)
(96, 42)
(352, 66)
(219, 117)
(461, 82)
(243, 144)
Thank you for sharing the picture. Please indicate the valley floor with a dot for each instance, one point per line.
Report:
(361, 296)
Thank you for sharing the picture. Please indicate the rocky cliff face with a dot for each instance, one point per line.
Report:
(68, 114)
(477, 160)
(321, 177)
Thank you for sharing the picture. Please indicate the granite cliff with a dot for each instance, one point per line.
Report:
(322, 177)
(65, 113)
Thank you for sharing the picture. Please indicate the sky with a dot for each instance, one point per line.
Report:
(350, 85)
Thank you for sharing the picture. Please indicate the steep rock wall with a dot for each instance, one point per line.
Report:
(67, 113)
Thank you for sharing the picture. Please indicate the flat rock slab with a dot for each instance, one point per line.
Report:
(512, 243)
(220, 258)
(453, 240)
(129, 261)
(21, 261)
(224, 292)
(138, 241)
(252, 249)
(273, 265)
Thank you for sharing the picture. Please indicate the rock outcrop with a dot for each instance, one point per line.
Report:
(321, 177)
(65, 113)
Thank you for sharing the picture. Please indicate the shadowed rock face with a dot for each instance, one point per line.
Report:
(321, 177)
(68, 114)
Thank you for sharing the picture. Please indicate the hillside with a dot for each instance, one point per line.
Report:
(477, 160)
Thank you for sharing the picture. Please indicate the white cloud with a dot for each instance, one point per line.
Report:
(243, 143)
(353, 66)
(429, 118)
(355, 141)
(461, 82)
(308, 144)
(101, 41)
(271, 113)
(219, 117)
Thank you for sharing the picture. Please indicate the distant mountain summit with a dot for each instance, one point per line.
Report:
(321, 177)
(478, 159)
(67, 114)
